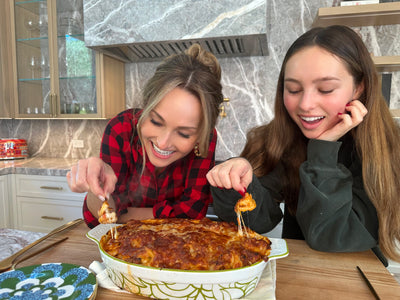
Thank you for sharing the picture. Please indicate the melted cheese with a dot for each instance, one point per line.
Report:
(107, 216)
(186, 244)
(246, 203)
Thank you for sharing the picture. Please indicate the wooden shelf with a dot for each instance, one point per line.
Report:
(387, 63)
(395, 113)
(359, 15)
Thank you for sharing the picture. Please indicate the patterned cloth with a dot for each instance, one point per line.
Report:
(265, 288)
(180, 190)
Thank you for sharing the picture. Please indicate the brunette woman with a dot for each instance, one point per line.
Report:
(331, 153)
(153, 161)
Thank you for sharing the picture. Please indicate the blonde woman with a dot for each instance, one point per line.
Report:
(153, 161)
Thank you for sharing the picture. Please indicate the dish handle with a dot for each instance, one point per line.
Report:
(97, 232)
(279, 248)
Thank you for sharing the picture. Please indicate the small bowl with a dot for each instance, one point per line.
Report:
(183, 284)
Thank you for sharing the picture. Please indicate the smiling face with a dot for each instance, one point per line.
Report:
(171, 130)
(317, 87)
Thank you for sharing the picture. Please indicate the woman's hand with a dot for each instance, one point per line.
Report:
(92, 175)
(235, 173)
(356, 113)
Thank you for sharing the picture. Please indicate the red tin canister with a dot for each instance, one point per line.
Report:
(13, 148)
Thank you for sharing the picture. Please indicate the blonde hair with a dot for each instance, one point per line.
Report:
(377, 138)
(198, 72)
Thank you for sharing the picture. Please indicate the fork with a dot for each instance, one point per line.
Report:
(16, 262)
(7, 263)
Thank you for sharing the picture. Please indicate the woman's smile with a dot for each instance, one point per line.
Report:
(161, 153)
(311, 122)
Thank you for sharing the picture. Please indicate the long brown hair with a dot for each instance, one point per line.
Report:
(377, 138)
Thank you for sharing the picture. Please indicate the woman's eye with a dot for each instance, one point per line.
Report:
(186, 136)
(325, 91)
(294, 91)
(155, 122)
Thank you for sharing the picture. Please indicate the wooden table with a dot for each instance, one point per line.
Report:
(304, 274)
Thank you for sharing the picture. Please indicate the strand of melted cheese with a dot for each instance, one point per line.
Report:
(246, 203)
(107, 216)
(241, 225)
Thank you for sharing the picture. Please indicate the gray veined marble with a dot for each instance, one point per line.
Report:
(128, 21)
(136, 31)
(13, 240)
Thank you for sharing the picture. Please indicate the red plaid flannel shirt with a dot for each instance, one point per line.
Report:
(181, 190)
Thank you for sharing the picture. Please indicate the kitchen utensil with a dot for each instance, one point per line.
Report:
(5, 264)
(172, 284)
(37, 252)
(371, 288)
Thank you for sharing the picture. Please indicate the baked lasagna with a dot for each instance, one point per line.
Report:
(186, 244)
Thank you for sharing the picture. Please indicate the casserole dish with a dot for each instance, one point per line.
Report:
(182, 284)
(13, 148)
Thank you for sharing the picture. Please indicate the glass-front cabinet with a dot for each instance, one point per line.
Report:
(6, 74)
(56, 75)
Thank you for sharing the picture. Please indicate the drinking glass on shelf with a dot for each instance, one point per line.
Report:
(33, 64)
(91, 109)
(42, 23)
(44, 66)
(30, 25)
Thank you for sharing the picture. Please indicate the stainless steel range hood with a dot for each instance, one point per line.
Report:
(252, 45)
(152, 31)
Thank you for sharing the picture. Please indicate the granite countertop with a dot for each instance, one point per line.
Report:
(37, 166)
(12, 240)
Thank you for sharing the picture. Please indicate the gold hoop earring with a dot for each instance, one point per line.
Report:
(196, 150)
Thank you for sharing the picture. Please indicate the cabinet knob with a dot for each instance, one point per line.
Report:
(52, 218)
(58, 188)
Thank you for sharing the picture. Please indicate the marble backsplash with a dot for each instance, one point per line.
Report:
(249, 83)
(155, 20)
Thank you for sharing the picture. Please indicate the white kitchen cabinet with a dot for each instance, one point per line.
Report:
(43, 203)
(4, 202)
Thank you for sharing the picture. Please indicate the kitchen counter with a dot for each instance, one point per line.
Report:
(37, 166)
(12, 240)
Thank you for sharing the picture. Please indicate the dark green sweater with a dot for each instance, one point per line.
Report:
(334, 213)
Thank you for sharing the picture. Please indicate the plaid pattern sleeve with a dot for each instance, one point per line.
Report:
(115, 151)
(191, 200)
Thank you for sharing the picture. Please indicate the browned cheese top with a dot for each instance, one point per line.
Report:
(186, 244)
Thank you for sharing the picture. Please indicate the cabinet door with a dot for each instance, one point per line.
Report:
(44, 215)
(57, 76)
(6, 73)
(45, 202)
(32, 51)
(76, 63)
(5, 200)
